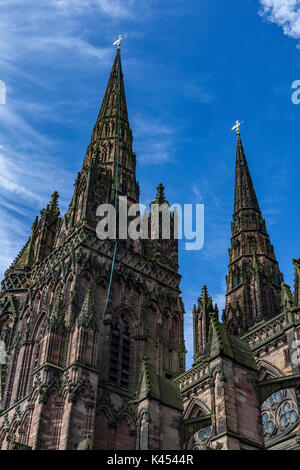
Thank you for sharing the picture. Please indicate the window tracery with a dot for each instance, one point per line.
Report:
(200, 440)
(279, 414)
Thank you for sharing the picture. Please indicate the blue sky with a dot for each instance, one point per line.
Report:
(191, 69)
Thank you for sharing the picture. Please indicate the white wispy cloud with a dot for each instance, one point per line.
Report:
(27, 179)
(113, 8)
(27, 168)
(13, 122)
(71, 43)
(197, 92)
(285, 13)
(154, 142)
(156, 152)
(197, 194)
(40, 31)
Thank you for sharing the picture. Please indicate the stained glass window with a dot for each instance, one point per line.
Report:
(279, 414)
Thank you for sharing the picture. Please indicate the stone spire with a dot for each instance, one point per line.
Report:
(52, 210)
(111, 130)
(244, 195)
(86, 316)
(201, 320)
(254, 279)
(160, 195)
(111, 141)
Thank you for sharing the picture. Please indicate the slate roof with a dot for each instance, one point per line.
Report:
(158, 387)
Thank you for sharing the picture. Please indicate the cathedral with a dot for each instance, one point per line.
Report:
(92, 329)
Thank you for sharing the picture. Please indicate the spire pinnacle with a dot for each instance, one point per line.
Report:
(52, 211)
(110, 101)
(160, 195)
(111, 140)
(245, 197)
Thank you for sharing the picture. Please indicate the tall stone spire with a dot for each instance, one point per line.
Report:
(254, 279)
(112, 129)
(111, 141)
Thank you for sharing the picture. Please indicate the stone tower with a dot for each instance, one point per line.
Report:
(254, 280)
(62, 386)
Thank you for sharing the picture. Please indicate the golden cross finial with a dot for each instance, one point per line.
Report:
(237, 126)
(118, 41)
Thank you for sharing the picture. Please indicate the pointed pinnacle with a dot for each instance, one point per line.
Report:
(204, 292)
(245, 196)
(160, 195)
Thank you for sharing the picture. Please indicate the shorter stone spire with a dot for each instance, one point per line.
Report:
(86, 317)
(56, 316)
(52, 211)
(53, 208)
(201, 318)
(160, 195)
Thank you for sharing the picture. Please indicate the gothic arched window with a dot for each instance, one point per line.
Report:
(120, 355)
